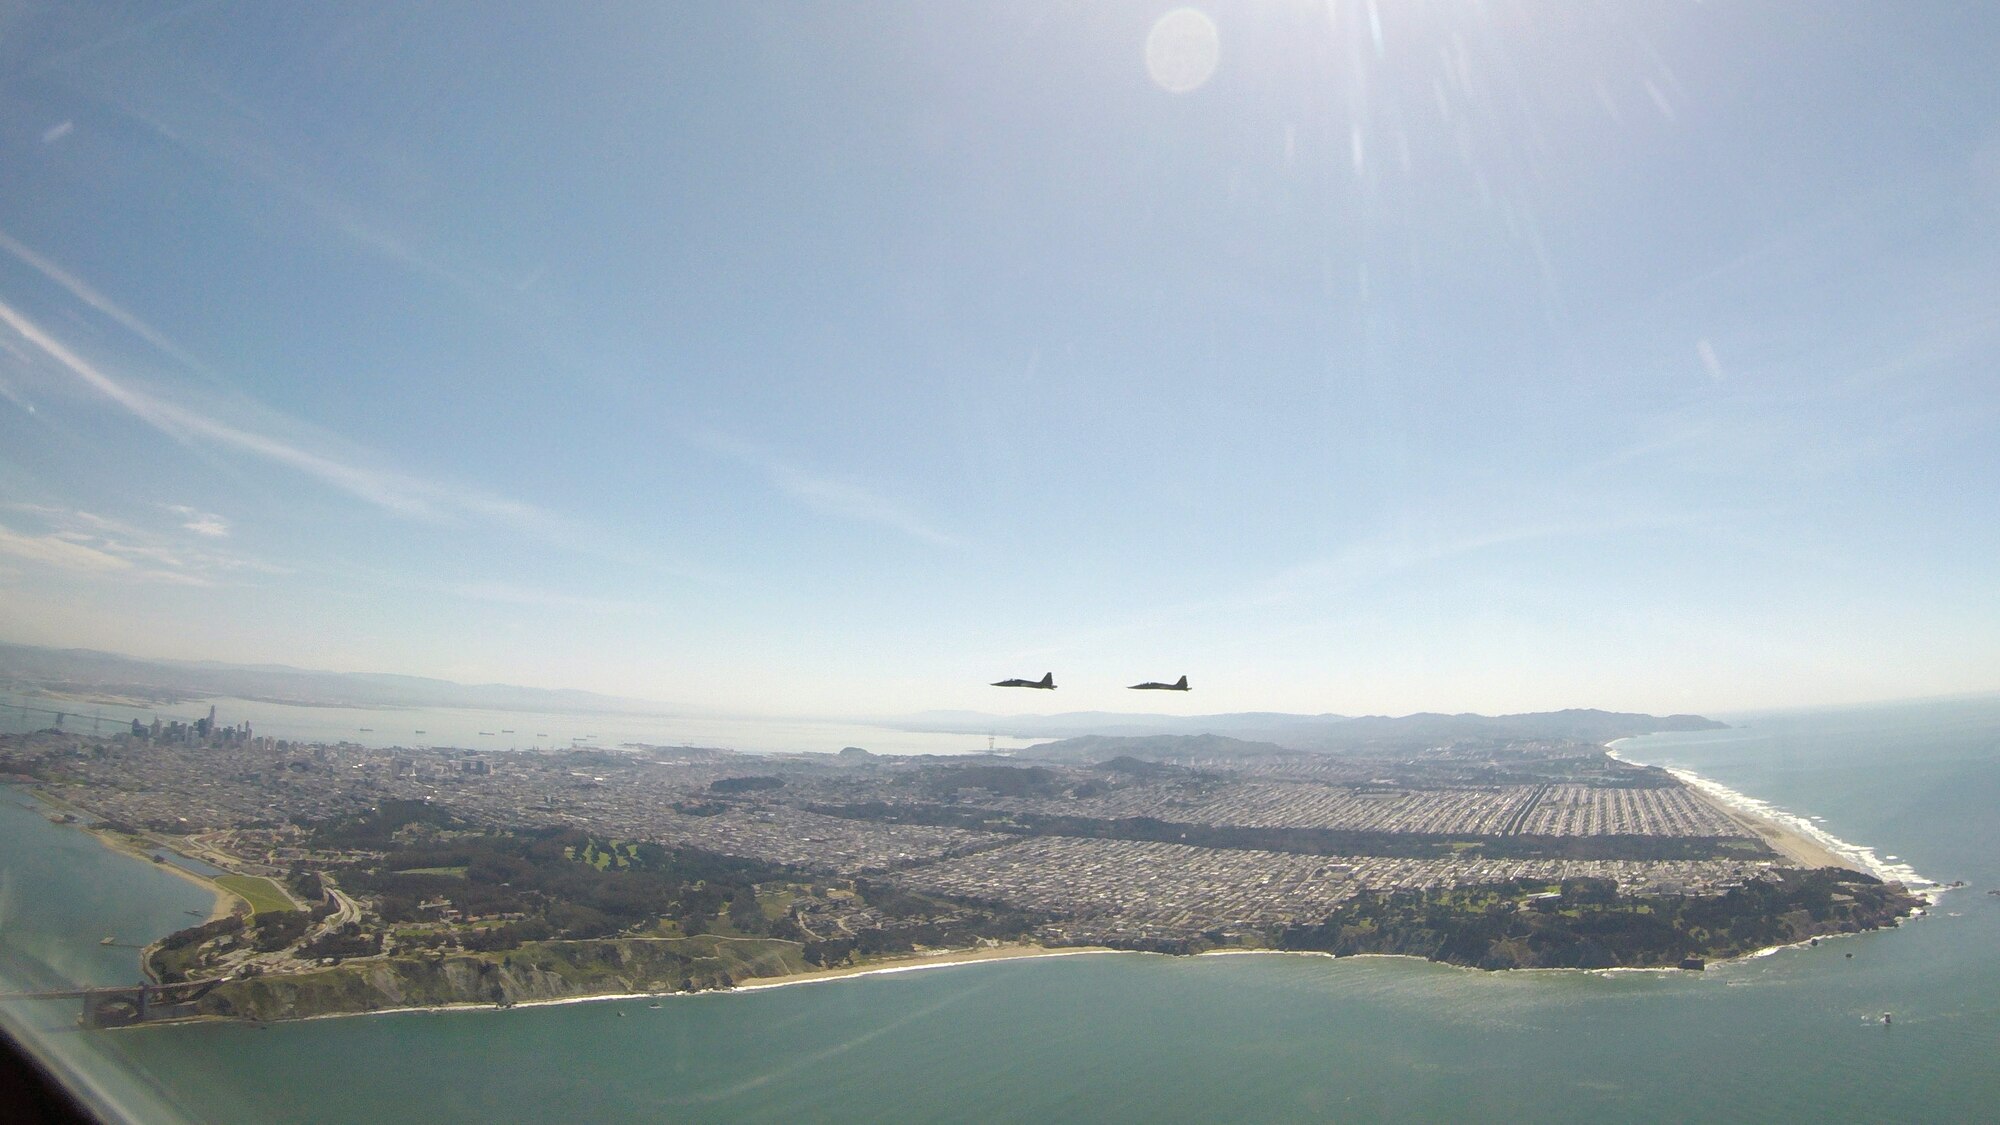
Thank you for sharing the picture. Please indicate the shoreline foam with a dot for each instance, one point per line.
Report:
(945, 960)
(1859, 857)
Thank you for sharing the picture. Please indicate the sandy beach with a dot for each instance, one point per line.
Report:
(1786, 839)
(225, 901)
(1781, 838)
(1794, 837)
(915, 963)
(921, 961)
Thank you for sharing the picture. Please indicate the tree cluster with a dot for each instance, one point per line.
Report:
(343, 941)
(541, 885)
(1588, 924)
(277, 929)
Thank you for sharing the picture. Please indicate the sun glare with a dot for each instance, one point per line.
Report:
(1182, 50)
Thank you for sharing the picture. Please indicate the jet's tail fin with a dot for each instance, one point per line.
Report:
(1048, 679)
(1181, 683)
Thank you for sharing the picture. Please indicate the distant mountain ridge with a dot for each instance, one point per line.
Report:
(1071, 724)
(1123, 748)
(1583, 724)
(1324, 733)
(86, 671)
(79, 671)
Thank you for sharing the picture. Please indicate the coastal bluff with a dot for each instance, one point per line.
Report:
(537, 972)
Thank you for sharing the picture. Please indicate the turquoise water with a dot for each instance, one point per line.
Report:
(1795, 1034)
(61, 892)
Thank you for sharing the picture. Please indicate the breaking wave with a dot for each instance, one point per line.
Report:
(1863, 857)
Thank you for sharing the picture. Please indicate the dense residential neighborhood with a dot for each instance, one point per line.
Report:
(1123, 850)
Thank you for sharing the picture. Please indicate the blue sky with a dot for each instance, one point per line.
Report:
(824, 359)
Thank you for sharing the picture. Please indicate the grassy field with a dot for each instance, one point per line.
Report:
(777, 904)
(618, 854)
(262, 894)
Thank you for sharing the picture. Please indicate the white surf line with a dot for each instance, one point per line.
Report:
(917, 968)
(1861, 855)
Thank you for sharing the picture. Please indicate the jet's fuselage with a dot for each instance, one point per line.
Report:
(1046, 683)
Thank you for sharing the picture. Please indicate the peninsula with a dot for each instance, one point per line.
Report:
(370, 879)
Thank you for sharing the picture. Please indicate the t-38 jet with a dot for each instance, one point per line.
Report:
(1154, 685)
(1046, 683)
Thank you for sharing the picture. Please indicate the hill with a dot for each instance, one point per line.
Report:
(74, 671)
(1086, 733)
(1123, 749)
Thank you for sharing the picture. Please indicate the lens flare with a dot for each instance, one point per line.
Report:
(1182, 50)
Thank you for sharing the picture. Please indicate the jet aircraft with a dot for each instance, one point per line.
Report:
(1046, 683)
(1154, 685)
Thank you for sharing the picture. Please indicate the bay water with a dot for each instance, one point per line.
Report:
(1792, 1035)
(476, 729)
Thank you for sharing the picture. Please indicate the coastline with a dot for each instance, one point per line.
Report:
(224, 901)
(941, 960)
(1776, 835)
(1479, 972)
(957, 958)
(969, 957)
(1793, 836)
(944, 959)
(1790, 834)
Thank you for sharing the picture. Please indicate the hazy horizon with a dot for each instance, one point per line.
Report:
(639, 705)
(1345, 358)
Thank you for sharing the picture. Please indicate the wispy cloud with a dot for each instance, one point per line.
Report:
(100, 302)
(1415, 545)
(157, 91)
(507, 593)
(1292, 597)
(60, 553)
(395, 492)
(200, 522)
(85, 542)
(335, 463)
(834, 496)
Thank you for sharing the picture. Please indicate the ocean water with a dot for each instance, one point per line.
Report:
(1792, 1035)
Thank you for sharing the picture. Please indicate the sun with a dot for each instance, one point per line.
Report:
(1182, 50)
